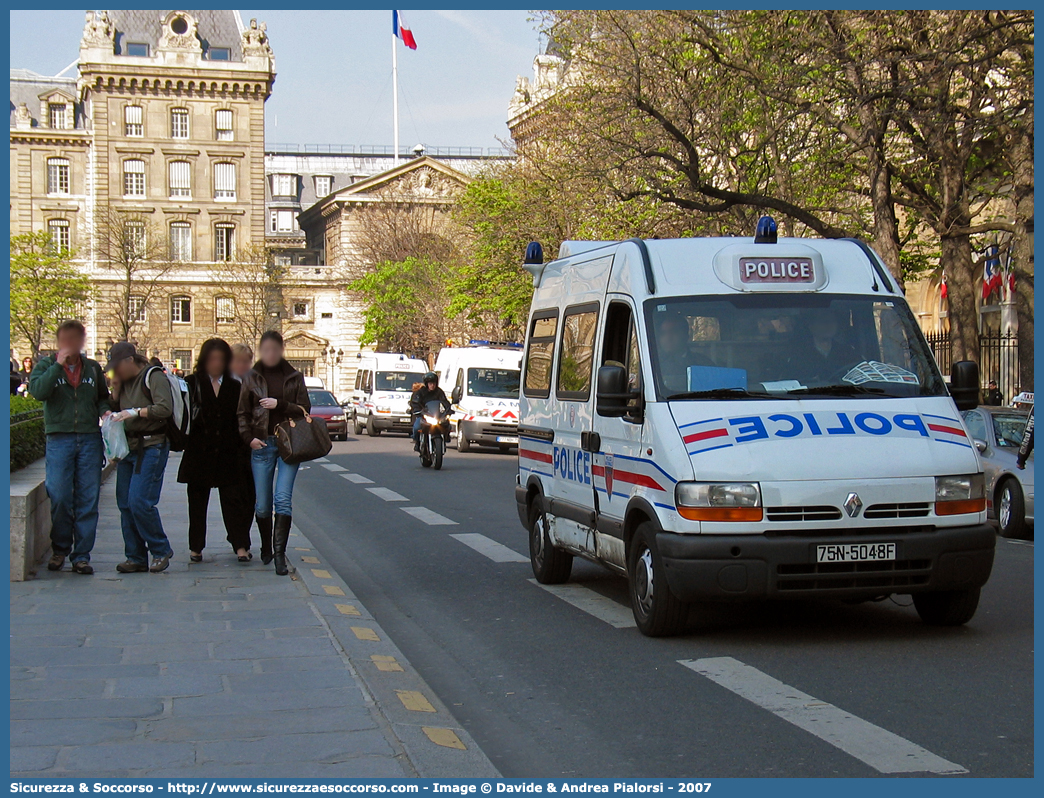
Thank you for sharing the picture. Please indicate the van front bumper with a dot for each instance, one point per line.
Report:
(486, 432)
(743, 567)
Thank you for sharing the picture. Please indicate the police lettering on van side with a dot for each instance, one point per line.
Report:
(572, 464)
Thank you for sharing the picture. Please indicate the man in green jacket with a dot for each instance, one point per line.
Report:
(72, 388)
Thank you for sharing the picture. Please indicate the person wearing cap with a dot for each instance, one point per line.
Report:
(994, 398)
(74, 395)
(145, 404)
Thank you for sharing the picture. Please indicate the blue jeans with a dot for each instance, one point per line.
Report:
(266, 464)
(137, 494)
(74, 466)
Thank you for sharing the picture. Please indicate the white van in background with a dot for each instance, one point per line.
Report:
(482, 382)
(381, 398)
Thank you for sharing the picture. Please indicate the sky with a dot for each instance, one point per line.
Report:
(333, 83)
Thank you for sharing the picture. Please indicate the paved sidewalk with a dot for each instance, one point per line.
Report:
(215, 670)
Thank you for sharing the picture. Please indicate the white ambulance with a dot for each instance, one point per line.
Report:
(482, 382)
(381, 398)
(735, 418)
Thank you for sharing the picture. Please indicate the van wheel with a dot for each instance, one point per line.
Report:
(949, 608)
(463, 444)
(1011, 509)
(657, 611)
(371, 428)
(551, 566)
(357, 428)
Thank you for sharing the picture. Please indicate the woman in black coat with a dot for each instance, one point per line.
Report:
(213, 453)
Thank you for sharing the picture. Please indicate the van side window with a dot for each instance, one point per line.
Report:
(576, 363)
(541, 354)
(620, 345)
(358, 379)
(460, 381)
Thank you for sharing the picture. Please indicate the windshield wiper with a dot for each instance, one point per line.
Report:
(719, 393)
(839, 390)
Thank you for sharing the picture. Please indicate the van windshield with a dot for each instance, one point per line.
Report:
(395, 381)
(494, 383)
(788, 345)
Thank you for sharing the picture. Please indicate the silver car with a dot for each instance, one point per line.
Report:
(997, 432)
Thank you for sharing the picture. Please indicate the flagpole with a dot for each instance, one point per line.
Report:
(395, 97)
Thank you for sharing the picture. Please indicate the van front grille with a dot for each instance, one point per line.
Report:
(908, 510)
(887, 575)
(799, 513)
(843, 532)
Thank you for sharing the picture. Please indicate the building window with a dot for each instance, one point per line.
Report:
(282, 222)
(306, 367)
(180, 175)
(224, 242)
(179, 123)
(223, 125)
(225, 181)
(133, 121)
(181, 310)
(139, 49)
(180, 241)
(59, 230)
(182, 358)
(300, 309)
(134, 240)
(326, 315)
(322, 185)
(219, 54)
(136, 309)
(57, 175)
(225, 309)
(284, 185)
(282, 260)
(56, 116)
(134, 178)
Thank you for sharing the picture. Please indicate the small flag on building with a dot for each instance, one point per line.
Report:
(991, 271)
(401, 30)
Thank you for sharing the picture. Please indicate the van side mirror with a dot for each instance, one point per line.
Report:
(964, 384)
(612, 394)
(455, 397)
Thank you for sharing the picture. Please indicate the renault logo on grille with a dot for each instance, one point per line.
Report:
(853, 504)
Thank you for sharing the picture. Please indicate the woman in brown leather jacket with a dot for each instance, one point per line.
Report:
(273, 391)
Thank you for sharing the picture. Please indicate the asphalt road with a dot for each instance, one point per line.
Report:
(548, 689)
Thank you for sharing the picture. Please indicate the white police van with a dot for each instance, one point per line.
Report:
(727, 418)
(482, 382)
(383, 386)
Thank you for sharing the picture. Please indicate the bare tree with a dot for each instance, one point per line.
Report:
(254, 285)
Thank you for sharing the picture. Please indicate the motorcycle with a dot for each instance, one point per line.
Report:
(434, 434)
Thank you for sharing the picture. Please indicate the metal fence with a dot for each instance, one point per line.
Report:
(387, 149)
(998, 359)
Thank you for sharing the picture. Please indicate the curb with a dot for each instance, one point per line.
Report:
(417, 723)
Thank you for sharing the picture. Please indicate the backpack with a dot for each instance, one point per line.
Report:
(180, 422)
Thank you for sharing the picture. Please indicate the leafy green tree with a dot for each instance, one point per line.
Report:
(45, 288)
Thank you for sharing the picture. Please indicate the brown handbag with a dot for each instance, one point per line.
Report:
(302, 439)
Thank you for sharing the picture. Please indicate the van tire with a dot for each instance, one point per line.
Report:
(551, 566)
(371, 428)
(357, 428)
(948, 608)
(657, 611)
(463, 444)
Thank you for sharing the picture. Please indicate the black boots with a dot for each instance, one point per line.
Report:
(264, 527)
(280, 535)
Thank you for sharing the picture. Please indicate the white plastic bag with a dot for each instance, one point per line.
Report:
(115, 439)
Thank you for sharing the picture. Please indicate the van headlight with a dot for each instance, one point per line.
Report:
(961, 494)
(383, 409)
(482, 412)
(718, 501)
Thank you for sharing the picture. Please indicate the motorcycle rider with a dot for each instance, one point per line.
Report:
(429, 391)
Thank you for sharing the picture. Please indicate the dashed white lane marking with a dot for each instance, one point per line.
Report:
(333, 467)
(320, 460)
(877, 747)
(430, 517)
(593, 603)
(490, 548)
(358, 479)
(387, 494)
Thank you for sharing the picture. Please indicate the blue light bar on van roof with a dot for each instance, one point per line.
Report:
(765, 231)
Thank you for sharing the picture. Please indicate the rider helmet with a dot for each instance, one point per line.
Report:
(431, 376)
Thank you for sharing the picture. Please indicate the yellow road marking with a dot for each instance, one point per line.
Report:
(319, 573)
(312, 560)
(347, 609)
(365, 633)
(447, 738)
(386, 663)
(414, 701)
(301, 548)
(333, 590)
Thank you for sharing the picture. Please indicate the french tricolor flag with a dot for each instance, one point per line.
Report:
(402, 30)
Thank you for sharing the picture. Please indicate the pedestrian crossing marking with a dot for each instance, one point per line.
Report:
(386, 663)
(447, 738)
(414, 701)
(365, 633)
(310, 560)
(333, 590)
(320, 573)
(347, 609)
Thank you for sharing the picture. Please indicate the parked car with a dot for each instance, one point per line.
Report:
(997, 432)
(326, 407)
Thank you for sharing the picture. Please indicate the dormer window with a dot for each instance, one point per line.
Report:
(139, 49)
(220, 54)
(322, 185)
(179, 26)
(284, 185)
(56, 116)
